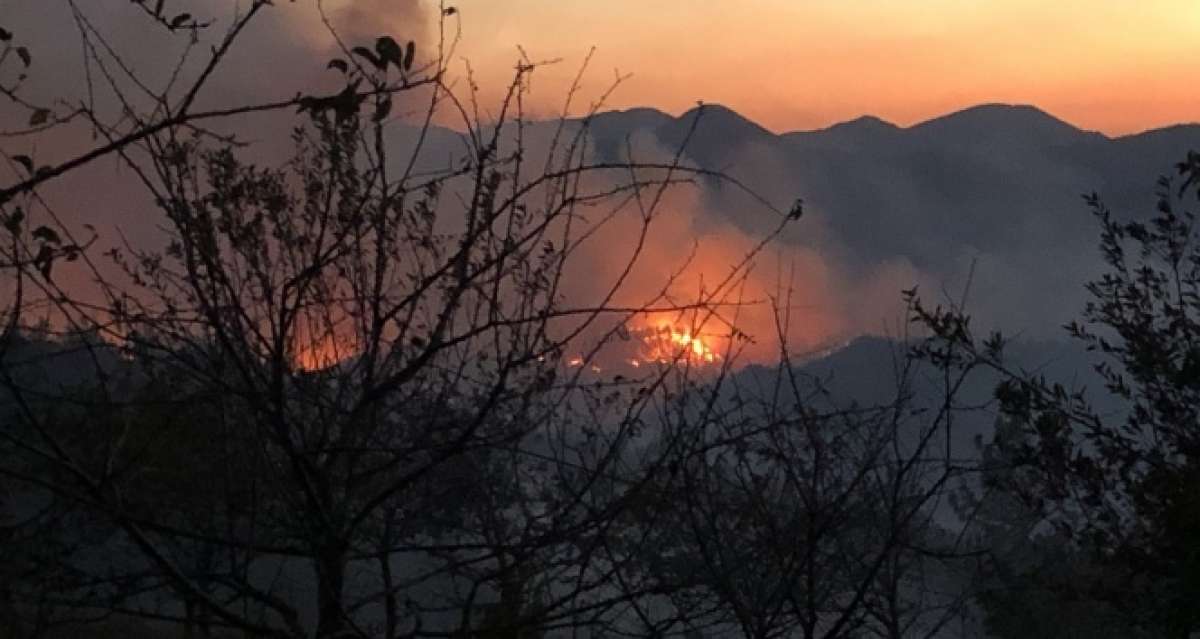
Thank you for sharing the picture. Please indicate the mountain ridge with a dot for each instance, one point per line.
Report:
(984, 109)
(995, 184)
(992, 191)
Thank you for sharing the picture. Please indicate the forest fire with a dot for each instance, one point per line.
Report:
(314, 359)
(661, 343)
(667, 344)
(311, 355)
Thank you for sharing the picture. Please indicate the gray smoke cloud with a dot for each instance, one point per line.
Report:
(364, 20)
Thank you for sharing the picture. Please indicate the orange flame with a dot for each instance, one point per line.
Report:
(312, 355)
(669, 344)
(656, 342)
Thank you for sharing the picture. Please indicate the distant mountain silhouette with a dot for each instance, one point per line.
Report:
(996, 183)
(712, 129)
(862, 131)
(989, 123)
(611, 128)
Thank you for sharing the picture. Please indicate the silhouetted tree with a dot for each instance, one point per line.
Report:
(796, 514)
(344, 396)
(1030, 580)
(336, 401)
(1119, 491)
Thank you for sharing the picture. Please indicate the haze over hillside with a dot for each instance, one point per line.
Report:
(991, 193)
(1000, 184)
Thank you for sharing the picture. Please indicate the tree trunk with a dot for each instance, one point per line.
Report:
(331, 577)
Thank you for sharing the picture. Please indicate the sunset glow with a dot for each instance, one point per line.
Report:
(1113, 66)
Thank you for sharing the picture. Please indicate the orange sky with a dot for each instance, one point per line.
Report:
(1118, 66)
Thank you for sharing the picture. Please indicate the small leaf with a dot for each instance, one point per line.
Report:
(309, 103)
(389, 51)
(347, 103)
(339, 64)
(25, 161)
(370, 57)
(5, 35)
(797, 210)
(46, 234)
(382, 109)
(449, 11)
(180, 20)
(13, 223)
(23, 53)
(44, 260)
(410, 53)
(39, 117)
(158, 8)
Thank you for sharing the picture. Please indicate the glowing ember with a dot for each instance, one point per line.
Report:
(577, 361)
(653, 340)
(668, 344)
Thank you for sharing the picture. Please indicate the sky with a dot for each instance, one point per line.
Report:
(1117, 66)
